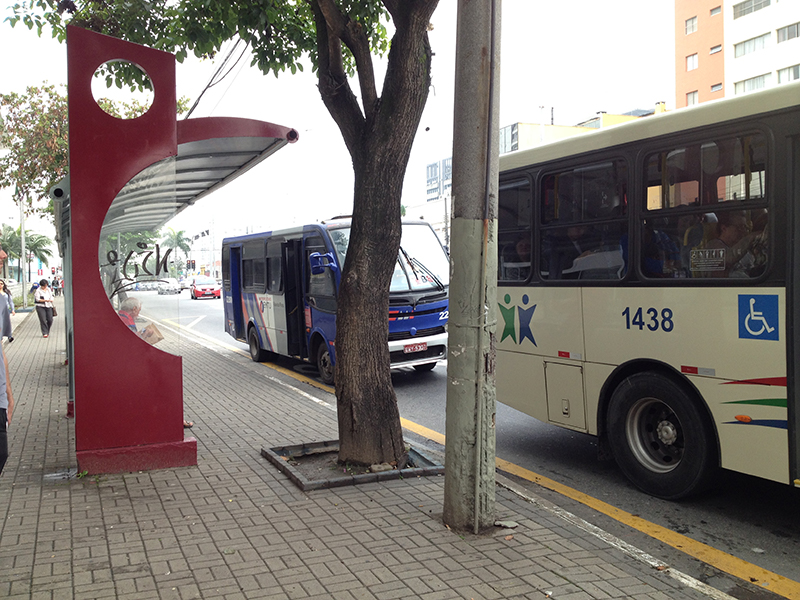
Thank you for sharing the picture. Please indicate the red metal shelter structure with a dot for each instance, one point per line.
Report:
(125, 175)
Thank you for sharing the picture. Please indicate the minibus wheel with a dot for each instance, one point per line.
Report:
(324, 364)
(660, 436)
(256, 353)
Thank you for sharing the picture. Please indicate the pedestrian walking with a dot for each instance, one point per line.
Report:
(5, 319)
(43, 297)
(8, 297)
(6, 397)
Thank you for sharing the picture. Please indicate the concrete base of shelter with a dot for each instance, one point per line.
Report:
(139, 458)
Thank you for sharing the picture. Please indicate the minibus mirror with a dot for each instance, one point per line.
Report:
(320, 261)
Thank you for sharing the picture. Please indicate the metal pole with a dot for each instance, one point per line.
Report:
(23, 259)
(469, 493)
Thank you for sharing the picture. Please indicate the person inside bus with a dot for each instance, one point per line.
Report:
(660, 254)
(516, 259)
(576, 242)
(734, 239)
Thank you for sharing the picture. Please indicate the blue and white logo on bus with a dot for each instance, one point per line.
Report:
(758, 316)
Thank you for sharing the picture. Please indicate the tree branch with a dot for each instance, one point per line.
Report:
(334, 88)
(351, 33)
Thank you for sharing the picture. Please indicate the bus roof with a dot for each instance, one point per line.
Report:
(294, 232)
(708, 113)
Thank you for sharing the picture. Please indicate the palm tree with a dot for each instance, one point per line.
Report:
(176, 240)
(11, 242)
(38, 246)
(35, 244)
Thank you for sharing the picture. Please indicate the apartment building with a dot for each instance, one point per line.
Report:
(725, 48)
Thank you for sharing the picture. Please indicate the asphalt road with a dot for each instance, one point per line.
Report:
(755, 520)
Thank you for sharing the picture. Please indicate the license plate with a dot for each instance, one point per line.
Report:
(409, 348)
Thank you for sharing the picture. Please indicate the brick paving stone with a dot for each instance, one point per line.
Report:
(235, 527)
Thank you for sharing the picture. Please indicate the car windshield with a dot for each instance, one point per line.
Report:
(422, 263)
(204, 281)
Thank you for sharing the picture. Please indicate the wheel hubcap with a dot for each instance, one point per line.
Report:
(655, 435)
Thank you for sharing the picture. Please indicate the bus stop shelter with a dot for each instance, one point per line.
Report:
(129, 176)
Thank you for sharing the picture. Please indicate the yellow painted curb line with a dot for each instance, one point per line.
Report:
(723, 561)
(716, 558)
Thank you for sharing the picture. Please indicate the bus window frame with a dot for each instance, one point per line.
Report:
(639, 212)
(247, 249)
(518, 176)
(573, 163)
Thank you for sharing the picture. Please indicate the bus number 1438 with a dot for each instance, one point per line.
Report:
(649, 318)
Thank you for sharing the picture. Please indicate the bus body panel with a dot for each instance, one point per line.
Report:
(522, 393)
(686, 328)
(752, 434)
(745, 393)
(268, 314)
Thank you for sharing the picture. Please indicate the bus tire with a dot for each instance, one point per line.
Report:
(424, 368)
(661, 437)
(324, 364)
(256, 353)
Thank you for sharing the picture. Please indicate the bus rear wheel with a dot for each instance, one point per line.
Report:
(660, 437)
(324, 364)
(256, 353)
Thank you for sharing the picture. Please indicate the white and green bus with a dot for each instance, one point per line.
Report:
(649, 287)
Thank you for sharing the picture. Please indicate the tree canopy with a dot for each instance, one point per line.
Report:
(33, 127)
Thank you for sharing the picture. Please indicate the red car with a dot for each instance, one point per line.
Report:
(204, 287)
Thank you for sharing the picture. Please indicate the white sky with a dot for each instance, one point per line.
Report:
(577, 56)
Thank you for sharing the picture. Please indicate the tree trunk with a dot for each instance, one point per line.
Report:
(369, 420)
(379, 141)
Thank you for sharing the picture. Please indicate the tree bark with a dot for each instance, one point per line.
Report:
(379, 140)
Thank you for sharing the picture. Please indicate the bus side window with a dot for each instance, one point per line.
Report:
(254, 267)
(706, 211)
(226, 268)
(584, 233)
(322, 286)
(514, 231)
(274, 271)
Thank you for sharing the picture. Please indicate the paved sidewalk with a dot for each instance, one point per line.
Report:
(234, 527)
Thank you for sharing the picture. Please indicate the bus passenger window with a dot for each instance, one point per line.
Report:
(584, 233)
(706, 210)
(274, 268)
(514, 231)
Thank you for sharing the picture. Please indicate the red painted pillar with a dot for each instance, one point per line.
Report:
(128, 394)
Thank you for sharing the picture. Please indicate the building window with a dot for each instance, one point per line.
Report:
(509, 138)
(789, 74)
(788, 33)
(748, 6)
(691, 98)
(716, 10)
(715, 49)
(691, 62)
(752, 84)
(717, 87)
(752, 45)
(691, 25)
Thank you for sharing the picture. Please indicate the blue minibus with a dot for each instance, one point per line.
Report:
(280, 290)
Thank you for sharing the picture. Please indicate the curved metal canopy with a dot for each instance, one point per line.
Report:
(211, 153)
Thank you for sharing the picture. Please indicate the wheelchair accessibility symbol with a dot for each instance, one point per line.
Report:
(758, 317)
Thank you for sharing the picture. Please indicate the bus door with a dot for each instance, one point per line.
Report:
(320, 300)
(293, 267)
(234, 318)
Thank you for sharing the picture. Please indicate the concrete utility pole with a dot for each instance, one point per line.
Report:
(469, 487)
